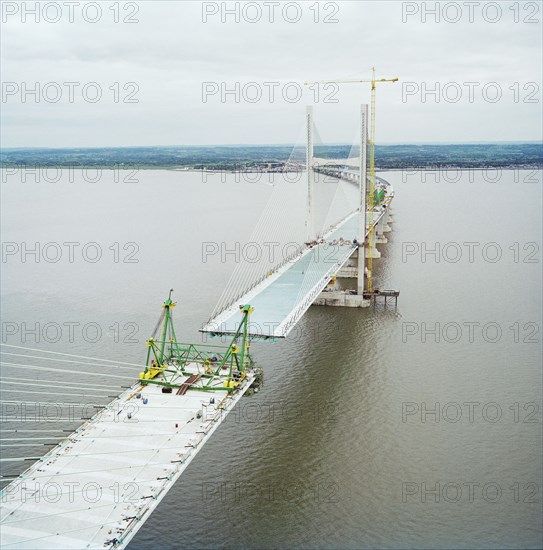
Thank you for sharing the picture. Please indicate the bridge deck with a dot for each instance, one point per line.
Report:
(97, 487)
(281, 299)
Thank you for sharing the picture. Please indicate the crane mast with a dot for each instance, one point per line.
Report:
(371, 202)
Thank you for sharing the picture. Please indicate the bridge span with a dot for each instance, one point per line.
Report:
(283, 296)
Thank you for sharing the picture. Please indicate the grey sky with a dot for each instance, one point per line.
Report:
(171, 52)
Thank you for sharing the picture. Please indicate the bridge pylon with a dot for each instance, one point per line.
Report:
(363, 175)
(310, 225)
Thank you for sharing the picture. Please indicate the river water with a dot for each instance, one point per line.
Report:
(411, 427)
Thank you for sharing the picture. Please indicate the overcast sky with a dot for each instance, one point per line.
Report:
(160, 66)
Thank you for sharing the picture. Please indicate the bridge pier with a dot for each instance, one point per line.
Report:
(341, 299)
(387, 219)
(379, 237)
(390, 217)
(382, 226)
(339, 292)
(373, 252)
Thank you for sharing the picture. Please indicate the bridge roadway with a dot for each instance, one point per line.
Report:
(280, 300)
(97, 487)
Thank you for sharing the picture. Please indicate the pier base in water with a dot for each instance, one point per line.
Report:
(341, 298)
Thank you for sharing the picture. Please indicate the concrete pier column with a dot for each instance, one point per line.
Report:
(387, 218)
(379, 233)
(390, 215)
(373, 252)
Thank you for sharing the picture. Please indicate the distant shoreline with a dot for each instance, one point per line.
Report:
(273, 159)
(256, 171)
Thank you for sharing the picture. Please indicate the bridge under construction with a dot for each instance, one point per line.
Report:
(345, 250)
(99, 484)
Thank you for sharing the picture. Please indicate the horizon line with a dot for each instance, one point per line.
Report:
(391, 143)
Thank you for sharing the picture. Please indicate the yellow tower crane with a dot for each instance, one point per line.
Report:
(371, 193)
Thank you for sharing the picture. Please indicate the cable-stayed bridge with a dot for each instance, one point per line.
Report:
(285, 294)
(283, 291)
(99, 483)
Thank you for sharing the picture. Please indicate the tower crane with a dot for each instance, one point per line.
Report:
(371, 202)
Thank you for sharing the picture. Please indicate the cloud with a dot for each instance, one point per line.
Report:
(170, 52)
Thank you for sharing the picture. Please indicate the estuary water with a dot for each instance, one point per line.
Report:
(416, 426)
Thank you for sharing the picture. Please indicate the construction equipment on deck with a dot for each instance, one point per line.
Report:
(169, 358)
